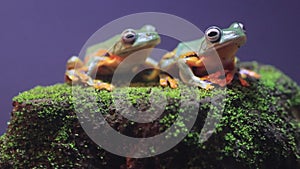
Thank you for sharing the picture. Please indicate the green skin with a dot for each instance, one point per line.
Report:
(146, 37)
(214, 56)
(115, 50)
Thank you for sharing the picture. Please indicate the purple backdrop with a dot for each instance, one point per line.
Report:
(37, 37)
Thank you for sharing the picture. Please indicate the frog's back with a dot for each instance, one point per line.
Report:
(106, 45)
(190, 46)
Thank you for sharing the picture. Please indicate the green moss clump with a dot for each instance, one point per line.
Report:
(256, 127)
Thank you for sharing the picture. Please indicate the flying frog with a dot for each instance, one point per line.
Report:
(102, 59)
(201, 68)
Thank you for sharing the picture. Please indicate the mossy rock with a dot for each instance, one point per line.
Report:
(259, 127)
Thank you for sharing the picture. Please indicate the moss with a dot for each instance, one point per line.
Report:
(270, 76)
(56, 93)
(256, 128)
(295, 101)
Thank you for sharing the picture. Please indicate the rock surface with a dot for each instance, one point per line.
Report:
(259, 127)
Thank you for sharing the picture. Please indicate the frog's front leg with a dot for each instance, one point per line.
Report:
(187, 75)
(75, 76)
(155, 69)
(74, 63)
(101, 65)
(244, 73)
(248, 73)
(75, 71)
(98, 84)
(165, 80)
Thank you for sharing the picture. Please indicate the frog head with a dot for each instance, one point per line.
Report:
(225, 41)
(126, 43)
(132, 40)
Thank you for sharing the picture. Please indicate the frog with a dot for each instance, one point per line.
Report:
(189, 60)
(102, 59)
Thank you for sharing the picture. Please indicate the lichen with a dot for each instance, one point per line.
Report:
(256, 127)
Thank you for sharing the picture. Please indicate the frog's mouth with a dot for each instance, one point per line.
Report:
(238, 42)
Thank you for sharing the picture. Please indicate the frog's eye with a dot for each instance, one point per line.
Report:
(213, 34)
(128, 36)
(242, 26)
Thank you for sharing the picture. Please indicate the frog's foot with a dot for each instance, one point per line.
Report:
(219, 78)
(169, 55)
(205, 85)
(98, 84)
(76, 77)
(74, 63)
(187, 76)
(196, 81)
(166, 80)
(248, 73)
(244, 73)
(219, 81)
(243, 82)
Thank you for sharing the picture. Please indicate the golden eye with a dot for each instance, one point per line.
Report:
(129, 36)
(213, 34)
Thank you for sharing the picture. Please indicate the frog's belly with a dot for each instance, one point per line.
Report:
(224, 59)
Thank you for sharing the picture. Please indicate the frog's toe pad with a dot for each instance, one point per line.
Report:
(164, 82)
(172, 83)
(245, 73)
(103, 86)
(209, 87)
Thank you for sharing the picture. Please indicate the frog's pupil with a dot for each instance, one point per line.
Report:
(129, 36)
(212, 34)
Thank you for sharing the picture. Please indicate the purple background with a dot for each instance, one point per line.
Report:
(37, 37)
